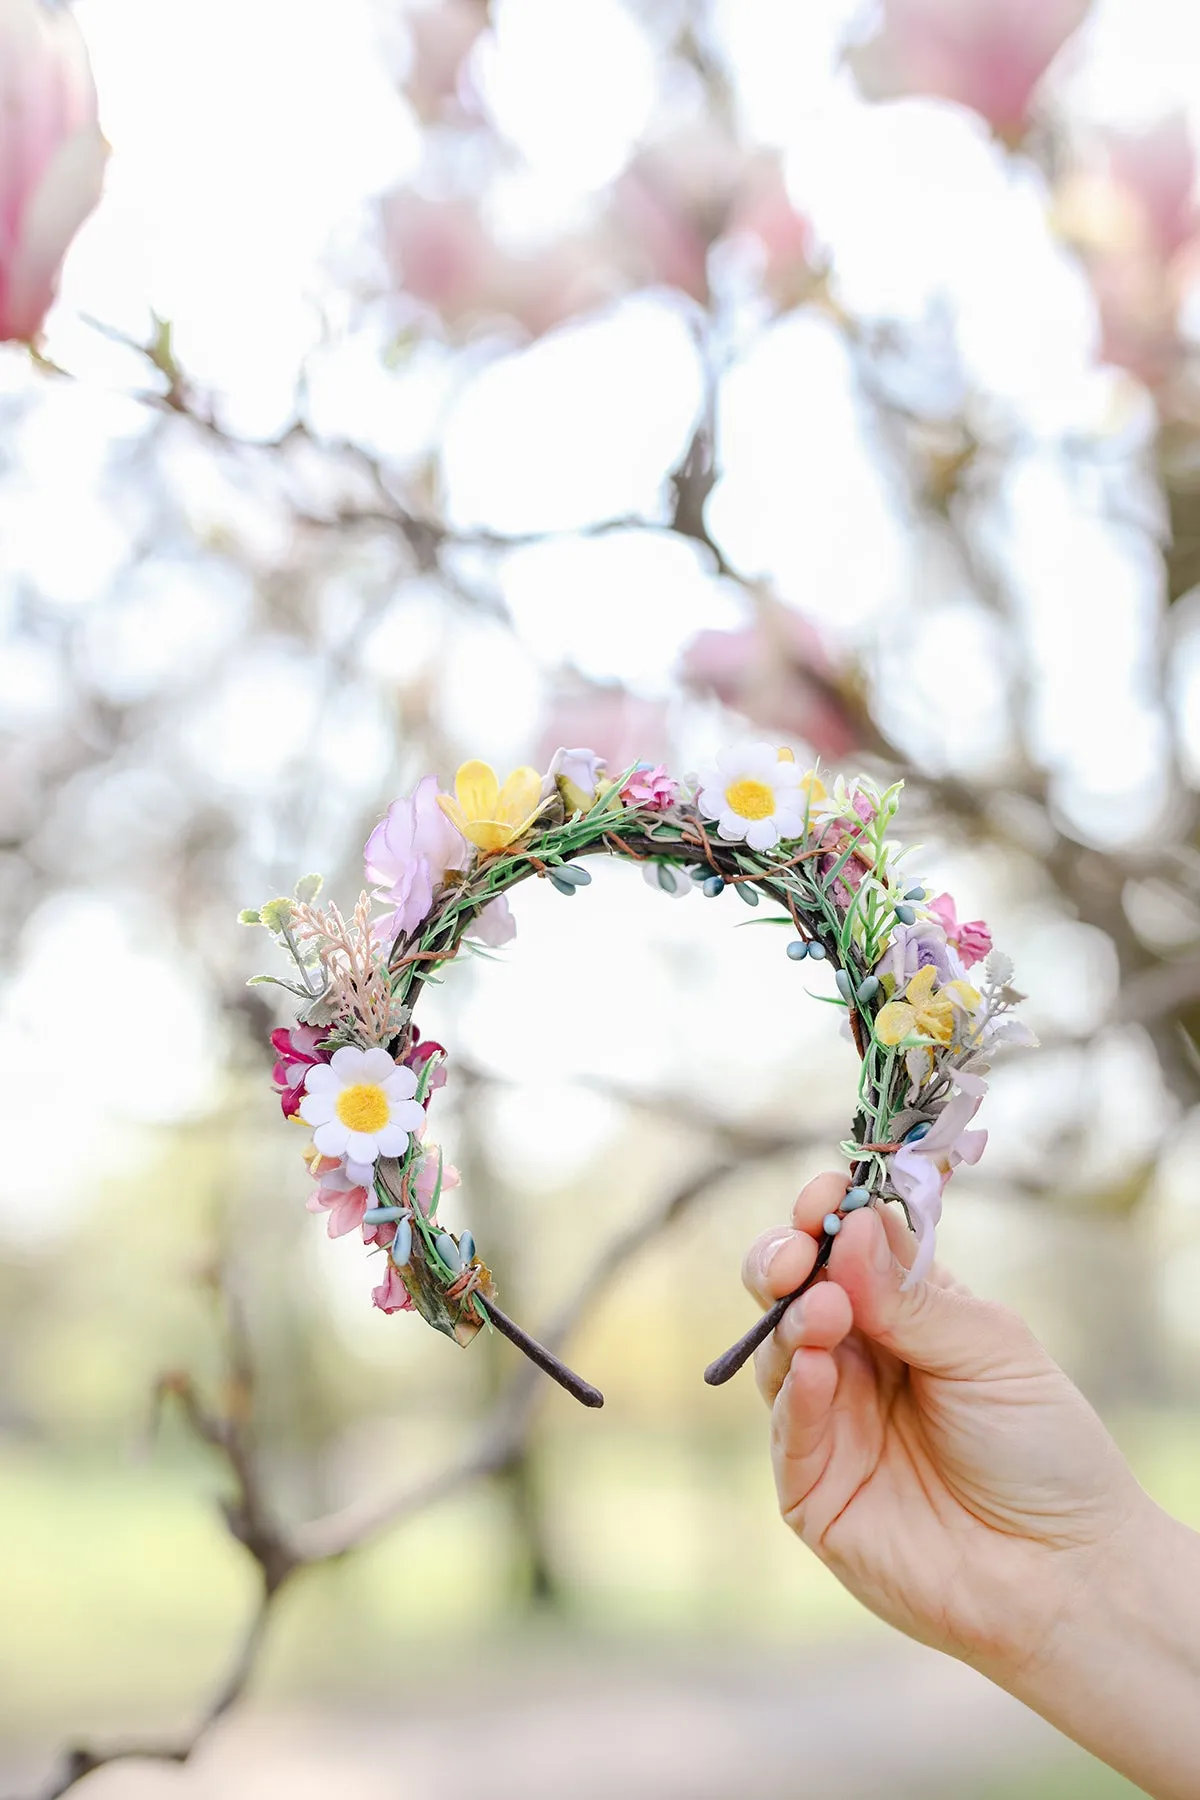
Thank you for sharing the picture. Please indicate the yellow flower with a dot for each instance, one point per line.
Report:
(925, 1010)
(488, 815)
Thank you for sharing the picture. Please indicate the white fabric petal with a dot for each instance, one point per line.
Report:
(347, 1062)
(321, 1079)
(732, 826)
(316, 1109)
(392, 1140)
(761, 834)
(761, 760)
(377, 1065)
(711, 800)
(788, 823)
(401, 1084)
(409, 1114)
(788, 774)
(710, 778)
(331, 1139)
(359, 1174)
(361, 1146)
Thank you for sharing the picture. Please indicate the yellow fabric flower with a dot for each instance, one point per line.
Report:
(488, 815)
(926, 1011)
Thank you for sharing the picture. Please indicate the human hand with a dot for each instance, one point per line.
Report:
(928, 1448)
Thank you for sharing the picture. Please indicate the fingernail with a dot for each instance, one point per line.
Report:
(771, 1250)
(881, 1250)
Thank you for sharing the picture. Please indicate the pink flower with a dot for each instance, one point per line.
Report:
(421, 1051)
(622, 727)
(495, 925)
(778, 673)
(441, 37)
(407, 856)
(920, 1170)
(343, 1199)
(299, 1048)
(783, 237)
(427, 1177)
(989, 55)
(391, 1295)
(650, 787)
(972, 939)
(51, 158)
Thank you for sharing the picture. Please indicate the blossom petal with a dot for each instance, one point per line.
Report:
(401, 1083)
(321, 1078)
(894, 1022)
(711, 800)
(731, 826)
(762, 834)
(316, 1109)
(477, 790)
(347, 1062)
(332, 1138)
(392, 1140)
(362, 1146)
(409, 1114)
(789, 824)
(376, 1065)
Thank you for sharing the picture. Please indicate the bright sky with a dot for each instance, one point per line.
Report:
(250, 139)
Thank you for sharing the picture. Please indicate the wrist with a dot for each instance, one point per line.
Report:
(1118, 1668)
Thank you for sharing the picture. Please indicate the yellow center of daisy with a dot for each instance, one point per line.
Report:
(363, 1107)
(750, 799)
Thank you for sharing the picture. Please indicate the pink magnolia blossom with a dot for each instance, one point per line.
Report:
(622, 727)
(989, 55)
(298, 1048)
(391, 1295)
(407, 856)
(920, 1170)
(650, 787)
(783, 237)
(342, 1198)
(971, 938)
(51, 156)
(1132, 217)
(441, 38)
(778, 673)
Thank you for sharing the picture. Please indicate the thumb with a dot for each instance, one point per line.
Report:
(945, 1331)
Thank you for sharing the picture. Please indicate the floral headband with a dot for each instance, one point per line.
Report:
(356, 1070)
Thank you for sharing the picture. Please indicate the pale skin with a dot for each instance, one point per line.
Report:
(942, 1465)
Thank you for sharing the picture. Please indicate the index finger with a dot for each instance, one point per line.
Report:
(780, 1260)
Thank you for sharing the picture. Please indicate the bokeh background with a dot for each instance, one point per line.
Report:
(462, 380)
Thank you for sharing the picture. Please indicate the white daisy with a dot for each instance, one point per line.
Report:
(361, 1104)
(754, 792)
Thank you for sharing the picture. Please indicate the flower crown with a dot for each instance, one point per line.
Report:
(356, 1070)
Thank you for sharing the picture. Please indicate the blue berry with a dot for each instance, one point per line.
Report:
(713, 886)
(449, 1252)
(844, 987)
(855, 1197)
(869, 988)
(817, 950)
(381, 1215)
(831, 1224)
(400, 1249)
(466, 1245)
(917, 893)
(798, 950)
(906, 915)
(918, 1132)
